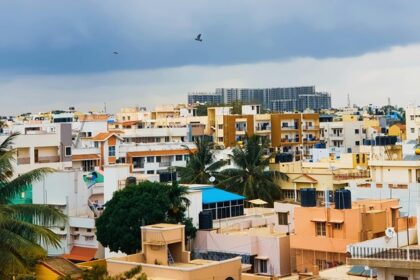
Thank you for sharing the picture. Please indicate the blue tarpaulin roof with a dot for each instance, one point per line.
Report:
(214, 195)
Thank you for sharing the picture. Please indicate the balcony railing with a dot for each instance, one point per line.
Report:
(310, 127)
(23, 160)
(164, 164)
(352, 175)
(285, 140)
(48, 159)
(310, 139)
(289, 127)
(379, 253)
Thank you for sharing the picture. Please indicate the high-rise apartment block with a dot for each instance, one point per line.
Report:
(275, 99)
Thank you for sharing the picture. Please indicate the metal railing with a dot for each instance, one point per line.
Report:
(164, 164)
(352, 175)
(381, 253)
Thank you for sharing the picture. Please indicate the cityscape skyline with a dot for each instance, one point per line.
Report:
(293, 43)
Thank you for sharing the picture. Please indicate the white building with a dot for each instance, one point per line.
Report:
(81, 200)
(344, 134)
(412, 121)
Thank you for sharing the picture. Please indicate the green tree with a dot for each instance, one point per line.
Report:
(201, 165)
(137, 205)
(20, 239)
(252, 178)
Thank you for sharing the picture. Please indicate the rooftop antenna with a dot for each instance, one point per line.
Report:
(104, 107)
(348, 100)
(389, 101)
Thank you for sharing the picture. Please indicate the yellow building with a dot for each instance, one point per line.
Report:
(398, 130)
(53, 268)
(325, 175)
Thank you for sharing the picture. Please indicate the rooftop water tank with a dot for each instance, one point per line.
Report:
(131, 181)
(205, 220)
(342, 199)
(308, 197)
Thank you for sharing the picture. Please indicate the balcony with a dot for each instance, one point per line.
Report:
(23, 160)
(293, 127)
(384, 257)
(165, 163)
(310, 127)
(47, 159)
(286, 140)
(313, 139)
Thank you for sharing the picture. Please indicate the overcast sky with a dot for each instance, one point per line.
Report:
(57, 54)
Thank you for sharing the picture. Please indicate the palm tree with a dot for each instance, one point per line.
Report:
(252, 178)
(201, 165)
(178, 202)
(20, 239)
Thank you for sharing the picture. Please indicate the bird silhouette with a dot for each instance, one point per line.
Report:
(115, 53)
(198, 38)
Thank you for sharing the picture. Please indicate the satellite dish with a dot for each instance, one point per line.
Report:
(212, 179)
(390, 232)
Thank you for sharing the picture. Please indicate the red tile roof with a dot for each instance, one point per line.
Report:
(81, 254)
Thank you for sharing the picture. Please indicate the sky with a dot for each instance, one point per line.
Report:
(57, 54)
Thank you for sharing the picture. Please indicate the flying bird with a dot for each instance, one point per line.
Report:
(115, 52)
(198, 38)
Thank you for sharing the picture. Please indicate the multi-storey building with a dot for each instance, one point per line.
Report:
(343, 134)
(326, 175)
(204, 97)
(412, 121)
(41, 145)
(322, 233)
(294, 133)
(278, 99)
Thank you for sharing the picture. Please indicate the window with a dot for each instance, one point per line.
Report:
(322, 264)
(356, 131)
(412, 117)
(76, 229)
(128, 118)
(400, 278)
(88, 238)
(150, 159)
(89, 230)
(320, 229)
(178, 157)
(220, 126)
(357, 143)
(111, 151)
(75, 237)
(150, 172)
(158, 159)
(68, 151)
(337, 226)
(96, 144)
(261, 266)
(283, 218)
(123, 118)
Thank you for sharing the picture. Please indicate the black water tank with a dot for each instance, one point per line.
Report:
(308, 197)
(342, 199)
(131, 181)
(393, 140)
(205, 220)
(284, 157)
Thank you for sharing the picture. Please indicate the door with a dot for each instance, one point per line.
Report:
(36, 155)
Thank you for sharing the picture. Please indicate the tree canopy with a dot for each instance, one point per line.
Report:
(252, 178)
(136, 205)
(201, 165)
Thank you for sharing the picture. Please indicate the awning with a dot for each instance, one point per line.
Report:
(336, 221)
(258, 202)
(321, 220)
(85, 157)
(261, 258)
(395, 207)
(81, 254)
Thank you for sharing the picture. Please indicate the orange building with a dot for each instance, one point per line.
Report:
(322, 234)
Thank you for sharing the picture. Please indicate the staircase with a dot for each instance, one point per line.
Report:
(170, 258)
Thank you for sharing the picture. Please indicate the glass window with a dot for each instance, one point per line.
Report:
(68, 151)
(158, 159)
(111, 151)
(178, 157)
(320, 229)
(96, 144)
(150, 159)
(283, 218)
(150, 172)
(337, 226)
